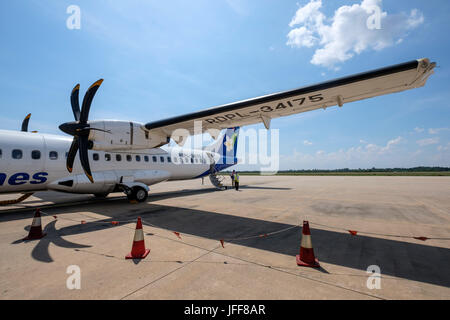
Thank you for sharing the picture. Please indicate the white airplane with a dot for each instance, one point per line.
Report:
(126, 156)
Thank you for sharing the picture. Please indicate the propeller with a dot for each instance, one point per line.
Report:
(80, 128)
(25, 123)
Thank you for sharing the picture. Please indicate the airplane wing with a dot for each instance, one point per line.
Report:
(396, 78)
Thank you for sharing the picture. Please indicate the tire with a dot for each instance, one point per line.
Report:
(101, 195)
(139, 194)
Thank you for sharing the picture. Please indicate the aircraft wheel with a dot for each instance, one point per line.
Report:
(139, 194)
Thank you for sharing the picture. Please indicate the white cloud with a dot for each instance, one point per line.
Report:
(427, 142)
(444, 148)
(418, 130)
(437, 130)
(348, 33)
(307, 143)
(394, 153)
(392, 143)
(354, 157)
(362, 141)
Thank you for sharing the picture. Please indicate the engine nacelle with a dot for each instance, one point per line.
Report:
(123, 135)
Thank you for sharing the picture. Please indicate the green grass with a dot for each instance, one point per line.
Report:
(318, 173)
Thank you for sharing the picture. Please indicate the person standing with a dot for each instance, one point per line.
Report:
(232, 178)
(236, 181)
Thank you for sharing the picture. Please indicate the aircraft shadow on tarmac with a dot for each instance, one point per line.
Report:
(412, 261)
(40, 252)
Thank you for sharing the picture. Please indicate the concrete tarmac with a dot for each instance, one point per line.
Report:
(386, 212)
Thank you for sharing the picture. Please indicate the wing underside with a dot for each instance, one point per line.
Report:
(361, 86)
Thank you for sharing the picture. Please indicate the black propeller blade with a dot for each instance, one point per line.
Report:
(79, 128)
(25, 122)
(74, 102)
(71, 155)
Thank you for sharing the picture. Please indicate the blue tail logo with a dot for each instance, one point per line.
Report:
(227, 146)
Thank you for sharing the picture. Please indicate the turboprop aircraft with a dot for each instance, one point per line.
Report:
(116, 155)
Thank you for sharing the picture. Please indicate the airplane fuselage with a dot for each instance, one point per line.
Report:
(33, 162)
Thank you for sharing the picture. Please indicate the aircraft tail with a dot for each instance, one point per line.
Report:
(226, 146)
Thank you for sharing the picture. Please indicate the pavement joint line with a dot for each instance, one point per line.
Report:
(267, 266)
(302, 276)
(233, 257)
(241, 259)
(275, 268)
(169, 273)
(234, 263)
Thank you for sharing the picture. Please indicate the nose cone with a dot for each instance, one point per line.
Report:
(68, 127)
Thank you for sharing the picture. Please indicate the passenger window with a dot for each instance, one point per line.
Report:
(53, 155)
(16, 154)
(95, 156)
(67, 154)
(192, 160)
(107, 157)
(0, 153)
(35, 154)
(162, 159)
(118, 157)
(169, 159)
(146, 158)
(154, 158)
(138, 158)
(128, 157)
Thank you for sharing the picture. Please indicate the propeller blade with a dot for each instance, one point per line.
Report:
(72, 153)
(83, 143)
(25, 123)
(74, 101)
(87, 100)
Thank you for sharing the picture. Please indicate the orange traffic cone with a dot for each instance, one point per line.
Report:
(306, 257)
(138, 250)
(36, 227)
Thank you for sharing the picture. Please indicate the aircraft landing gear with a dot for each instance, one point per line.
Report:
(138, 193)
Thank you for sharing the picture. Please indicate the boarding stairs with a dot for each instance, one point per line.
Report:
(216, 179)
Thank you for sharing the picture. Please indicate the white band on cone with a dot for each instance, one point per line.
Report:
(36, 222)
(138, 235)
(306, 242)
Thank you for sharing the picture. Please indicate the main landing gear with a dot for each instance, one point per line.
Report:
(137, 193)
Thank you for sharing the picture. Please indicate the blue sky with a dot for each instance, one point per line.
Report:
(161, 59)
